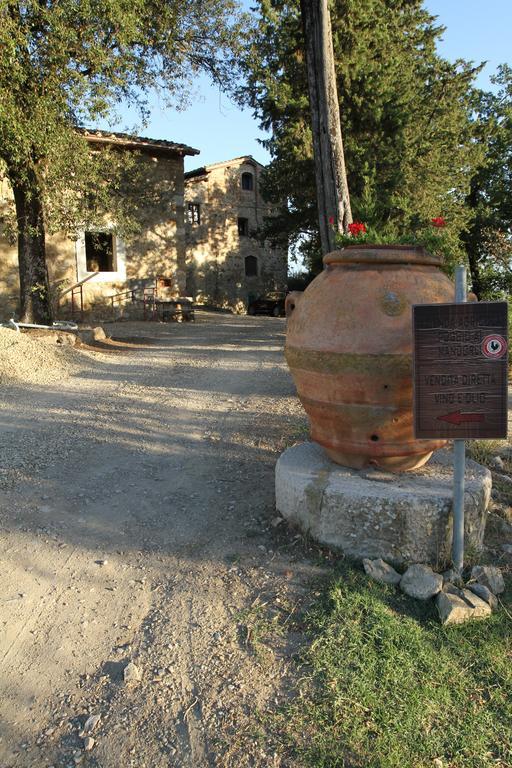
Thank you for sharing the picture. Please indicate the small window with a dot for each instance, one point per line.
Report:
(194, 213)
(99, 252)
(243, 227)
(251, 266)
(247, 181)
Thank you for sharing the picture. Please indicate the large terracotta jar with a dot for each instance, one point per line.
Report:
(349, 349)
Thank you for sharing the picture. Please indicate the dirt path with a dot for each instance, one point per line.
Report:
(136, 501)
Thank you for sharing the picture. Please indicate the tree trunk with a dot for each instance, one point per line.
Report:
(474, 268)
(334, 214)
(35, 300)
(471, 238)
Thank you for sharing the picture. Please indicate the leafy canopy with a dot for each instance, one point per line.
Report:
(69, 63)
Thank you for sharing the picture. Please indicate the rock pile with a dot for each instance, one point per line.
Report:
(421, 582)
(34, 360)
(456, 602)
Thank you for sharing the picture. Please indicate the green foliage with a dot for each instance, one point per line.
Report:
(68, 63)
(436, 241)
(298, 281)
(404, 111)
(488, 239)
(256, 628)
(384, 685)
(484, 451)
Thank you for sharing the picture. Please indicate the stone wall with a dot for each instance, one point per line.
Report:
(216, 251)
(157, 249)
(9, 280)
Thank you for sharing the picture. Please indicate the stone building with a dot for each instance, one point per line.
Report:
(101, 260)
(227, 265)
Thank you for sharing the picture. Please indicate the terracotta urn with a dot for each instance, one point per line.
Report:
(349, 349)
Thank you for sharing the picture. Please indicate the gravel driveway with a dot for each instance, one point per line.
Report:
(136, 511)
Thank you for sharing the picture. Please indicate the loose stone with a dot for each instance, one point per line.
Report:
(451, 589)
(453, 577)
(91, 723)
(453, 609)
(482, 591)
(88, 743)
(490, 576)
(421, 582)
(497, 463)
(381, 571)
(480, 607)
(505, 479)
(131, 673)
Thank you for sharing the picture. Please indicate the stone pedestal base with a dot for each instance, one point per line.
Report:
(370, 513)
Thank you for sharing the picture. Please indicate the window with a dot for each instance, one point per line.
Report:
(251, 266)
(243, 227)
(194, 213)
(99, 252)
(247, 181)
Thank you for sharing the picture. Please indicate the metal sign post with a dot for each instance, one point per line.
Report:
(459, 457)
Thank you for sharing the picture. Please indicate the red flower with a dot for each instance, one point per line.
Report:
(438, 222)
(356, 228)
(331, 220)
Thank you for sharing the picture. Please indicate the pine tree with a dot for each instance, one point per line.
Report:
(488, 238)
(405, 118)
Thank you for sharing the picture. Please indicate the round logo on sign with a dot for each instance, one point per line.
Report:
(494, 346)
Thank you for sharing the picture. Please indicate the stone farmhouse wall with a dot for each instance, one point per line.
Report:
(9, 281)
(227, 265)
(157, 250)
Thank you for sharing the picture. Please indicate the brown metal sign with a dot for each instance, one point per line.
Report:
(460, 370)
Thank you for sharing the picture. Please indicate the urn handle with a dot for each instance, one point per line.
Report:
(291, 301)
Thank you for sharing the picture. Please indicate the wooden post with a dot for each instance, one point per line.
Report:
(331, 178)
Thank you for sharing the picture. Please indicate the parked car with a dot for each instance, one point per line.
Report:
(270, 304)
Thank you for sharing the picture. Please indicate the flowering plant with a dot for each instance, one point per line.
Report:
(356, 228)
(430, 234)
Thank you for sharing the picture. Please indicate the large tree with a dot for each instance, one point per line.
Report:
(405, 116)
(488, 238)
(68, 63)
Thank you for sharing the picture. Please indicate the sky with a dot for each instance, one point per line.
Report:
(476, 30)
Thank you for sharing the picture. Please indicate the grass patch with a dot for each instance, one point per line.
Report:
(258, 627)
(385, 686)
(504, 490)
(484, 451)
